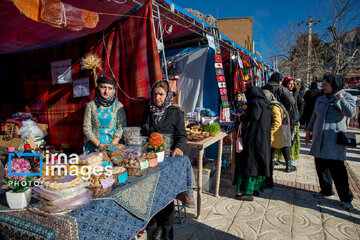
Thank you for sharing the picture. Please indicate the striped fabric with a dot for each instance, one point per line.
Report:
(131, 53)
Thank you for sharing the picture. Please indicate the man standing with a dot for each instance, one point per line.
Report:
(280, 92)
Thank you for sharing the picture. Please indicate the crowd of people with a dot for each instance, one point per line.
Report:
(270, 117)
(270, 131)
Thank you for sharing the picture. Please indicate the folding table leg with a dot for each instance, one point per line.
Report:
(218, 170)
(199, 190)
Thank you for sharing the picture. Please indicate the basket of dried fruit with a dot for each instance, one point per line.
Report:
(136, 166)
(152, 158)
(120, 175)
(101, 185)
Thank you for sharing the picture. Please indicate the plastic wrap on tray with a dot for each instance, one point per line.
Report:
(56, 194)
(61, 199)
(135, 140)
(92, 158)
(67, 205)
(131, 131)
(168, 141)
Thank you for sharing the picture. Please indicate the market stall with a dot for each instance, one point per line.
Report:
(118, 215)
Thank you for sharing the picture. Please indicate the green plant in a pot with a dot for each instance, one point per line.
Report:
(19, 194)
(212, 128)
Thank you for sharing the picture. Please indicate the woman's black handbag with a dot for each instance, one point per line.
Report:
(346, 138)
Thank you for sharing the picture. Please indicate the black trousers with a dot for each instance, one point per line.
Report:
(165, 220)
(328, 170)
(286, 153)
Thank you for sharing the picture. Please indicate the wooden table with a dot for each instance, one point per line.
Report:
(201, 145)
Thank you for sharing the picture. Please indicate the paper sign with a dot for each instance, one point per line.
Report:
(107, 163)
(112, 149)
(67, 178)
(81, 88)
(61, 72)
(144, 164)
(88, 155)
(211, 41)
(107, 182)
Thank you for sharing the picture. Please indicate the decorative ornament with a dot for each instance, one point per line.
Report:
(92, 62)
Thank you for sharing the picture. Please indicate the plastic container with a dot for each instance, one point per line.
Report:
(135, 140)
(128, 131)
(55, 194)
(69, 205)
(168, 141)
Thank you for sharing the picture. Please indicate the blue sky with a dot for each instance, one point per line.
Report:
(269, 15)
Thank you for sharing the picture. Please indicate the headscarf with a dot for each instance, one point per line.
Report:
(256, 93)
(286, 80)
(158, 112)
(101, 101)
(314, 85)
(337, 82)
(275, 77)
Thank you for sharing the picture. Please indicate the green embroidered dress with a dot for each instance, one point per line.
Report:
(103, 124)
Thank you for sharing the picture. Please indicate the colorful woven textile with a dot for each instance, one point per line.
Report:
(103, 219)
(130, 51)
(137, 194)
(29, 225)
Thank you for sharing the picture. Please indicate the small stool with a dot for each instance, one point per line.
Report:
(180, 212)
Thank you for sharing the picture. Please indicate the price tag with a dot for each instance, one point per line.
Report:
(144, 164)
(107, 163)
(67, 178)
(107, 182)
(112, 149)
(88, 156)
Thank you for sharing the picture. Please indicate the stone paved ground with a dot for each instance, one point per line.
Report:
(293, 209)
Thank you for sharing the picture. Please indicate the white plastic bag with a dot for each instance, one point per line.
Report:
(29, 130)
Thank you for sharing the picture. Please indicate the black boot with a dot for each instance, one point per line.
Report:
(158, 234)
(245, 197)
(290, 167)
(165, 221)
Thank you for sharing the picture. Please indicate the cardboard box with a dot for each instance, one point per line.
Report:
(208, 176)
(17, 142)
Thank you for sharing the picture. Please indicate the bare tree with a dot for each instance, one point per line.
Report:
(335, 49)
(339, 17)
(290, 51)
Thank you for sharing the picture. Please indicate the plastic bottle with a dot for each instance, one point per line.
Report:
(27, 149)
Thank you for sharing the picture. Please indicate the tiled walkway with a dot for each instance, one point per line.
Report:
(291, 210)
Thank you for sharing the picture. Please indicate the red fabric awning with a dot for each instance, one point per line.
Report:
(19, 33)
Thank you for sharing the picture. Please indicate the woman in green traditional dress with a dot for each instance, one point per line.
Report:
(253, 163)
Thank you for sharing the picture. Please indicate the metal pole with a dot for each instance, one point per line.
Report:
(308, 75)
(162, 41)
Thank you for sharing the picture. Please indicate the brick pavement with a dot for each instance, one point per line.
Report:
(293, 209)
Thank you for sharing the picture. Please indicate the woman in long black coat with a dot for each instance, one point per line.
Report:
(253, 163)
(162, 117)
